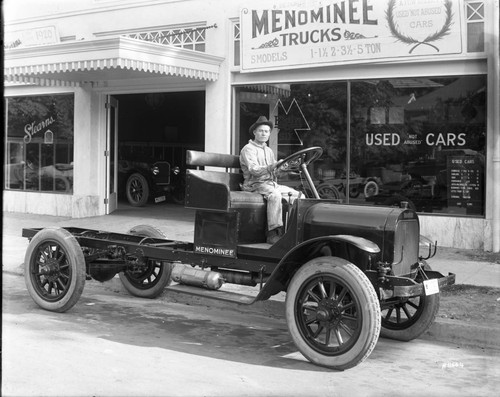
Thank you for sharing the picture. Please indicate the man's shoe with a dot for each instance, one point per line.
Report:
(274, 235)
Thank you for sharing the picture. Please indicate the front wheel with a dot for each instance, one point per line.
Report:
(54, 269)
(178, 194)
(150, 280)
(137, 190)
(406, 319)
(333, 313)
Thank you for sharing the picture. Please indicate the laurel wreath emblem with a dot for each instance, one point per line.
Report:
(438, 35)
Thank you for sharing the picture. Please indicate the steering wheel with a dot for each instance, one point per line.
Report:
(295, 160)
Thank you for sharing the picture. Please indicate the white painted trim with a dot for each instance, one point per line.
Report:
(114, 5)
(371, 71)
(44, 64)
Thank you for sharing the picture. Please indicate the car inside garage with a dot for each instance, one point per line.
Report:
(154, 132)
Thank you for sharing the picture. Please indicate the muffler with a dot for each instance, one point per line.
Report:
(188, 275)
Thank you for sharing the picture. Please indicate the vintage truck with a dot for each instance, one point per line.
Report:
(351, 273)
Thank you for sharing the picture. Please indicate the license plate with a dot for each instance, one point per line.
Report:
(160, 199)
(431, 286)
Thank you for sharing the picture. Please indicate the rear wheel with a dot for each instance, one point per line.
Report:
(54, 269)
(150, 280)
(137, 190)
(371, 189)
(407, 318)
(333, 313)
(327, 191)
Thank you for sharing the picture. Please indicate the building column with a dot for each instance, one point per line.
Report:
(493, 46)
(218, 93)
(87, 173)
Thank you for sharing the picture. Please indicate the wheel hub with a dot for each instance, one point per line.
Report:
(328, 311)
(51, 270)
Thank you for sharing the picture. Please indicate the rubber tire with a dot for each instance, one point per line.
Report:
(76, 262)
(424, 321)
(327, 192)
(354, 191)
(368, 304)
(371, 189)
(141, 198)
(178, 195)
(163, 279)
(60, 182)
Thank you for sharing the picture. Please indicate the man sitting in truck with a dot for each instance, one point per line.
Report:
(259, 170)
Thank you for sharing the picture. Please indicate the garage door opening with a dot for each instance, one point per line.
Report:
(154, 132)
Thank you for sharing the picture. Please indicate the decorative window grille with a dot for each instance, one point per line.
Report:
(474, 11)
(190, 38)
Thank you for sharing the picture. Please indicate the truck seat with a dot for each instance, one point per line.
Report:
(219, 194)
(217, 190)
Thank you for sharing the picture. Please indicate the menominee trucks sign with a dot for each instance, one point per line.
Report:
(315, 32)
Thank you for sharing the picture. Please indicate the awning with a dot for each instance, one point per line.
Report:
(101, 60)
(282, 90)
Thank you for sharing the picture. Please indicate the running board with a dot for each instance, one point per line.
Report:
(212, 294)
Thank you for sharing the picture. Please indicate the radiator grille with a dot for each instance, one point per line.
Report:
(163, 178)
(406, 245)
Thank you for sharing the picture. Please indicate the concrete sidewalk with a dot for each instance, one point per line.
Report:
(177, 223)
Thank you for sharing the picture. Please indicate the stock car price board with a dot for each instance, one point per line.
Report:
(465, 183)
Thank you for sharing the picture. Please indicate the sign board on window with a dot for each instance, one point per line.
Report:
(465, 179)
(307, 33)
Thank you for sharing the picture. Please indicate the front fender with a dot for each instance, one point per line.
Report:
(359, 251)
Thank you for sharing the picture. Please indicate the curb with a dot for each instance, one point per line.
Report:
(463, 334)
(442, 330)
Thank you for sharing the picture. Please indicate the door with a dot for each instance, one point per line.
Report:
(111, 153)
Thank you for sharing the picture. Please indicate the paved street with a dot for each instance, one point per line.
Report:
(111, 344)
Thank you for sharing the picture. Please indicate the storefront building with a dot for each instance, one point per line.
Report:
(402, 95)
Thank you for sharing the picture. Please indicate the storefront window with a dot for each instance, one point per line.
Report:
(39, 143)
(420, 140)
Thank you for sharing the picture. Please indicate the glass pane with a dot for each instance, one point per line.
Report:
(15, 166)
(475, 11)
(249, 112)
(316, 115)
(475, 37)
(40, 143)
(304, 115)
(112, 154)
(421, 140)
(236, 53)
